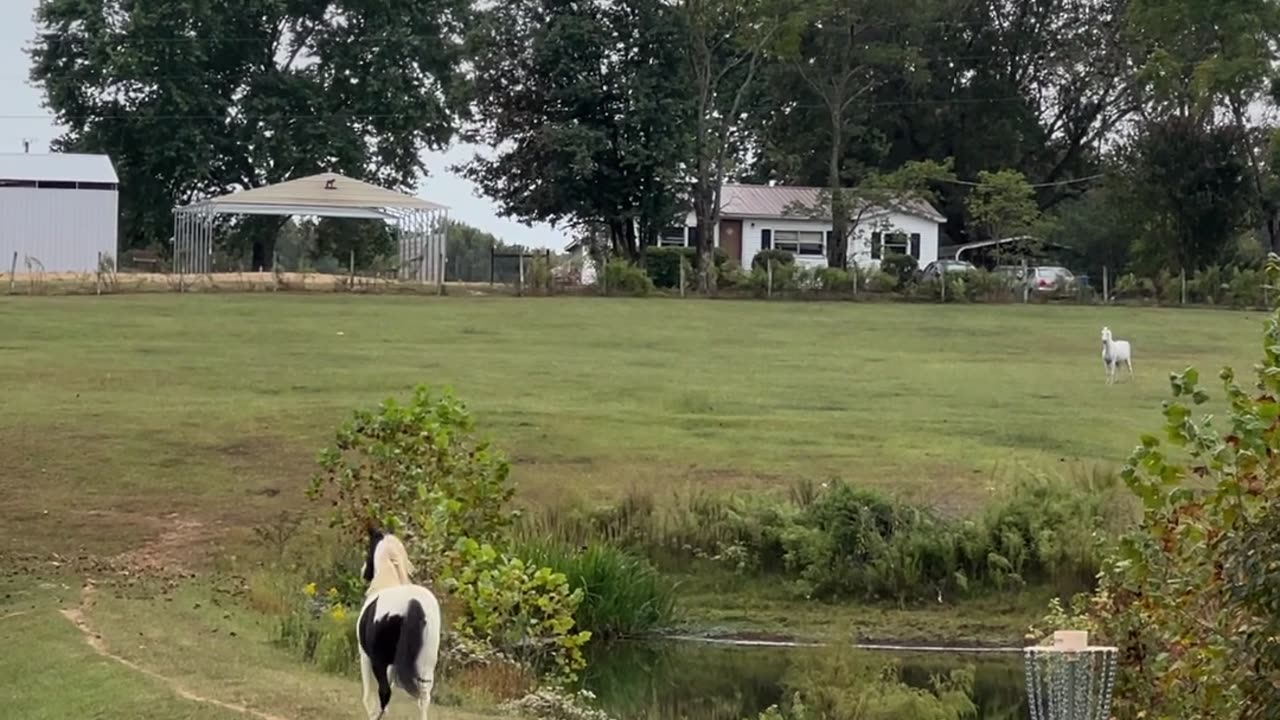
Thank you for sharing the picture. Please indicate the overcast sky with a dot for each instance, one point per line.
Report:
(22, 117)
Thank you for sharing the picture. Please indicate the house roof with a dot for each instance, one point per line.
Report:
(57, 167)
(788, 201)
(326, 194)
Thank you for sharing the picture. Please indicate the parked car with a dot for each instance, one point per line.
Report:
(935, 269)
(1052, 278)
(1013, 272)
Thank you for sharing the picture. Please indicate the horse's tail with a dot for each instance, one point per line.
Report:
(409, 647)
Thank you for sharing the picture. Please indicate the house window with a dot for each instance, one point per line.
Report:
(894, 242)
(672, 237)
(800, 243)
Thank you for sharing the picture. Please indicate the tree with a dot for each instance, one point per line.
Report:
(841, 52)
(900, 190)
(1191, 184)
(725, 43)
(1205, 65)
(195, 98)
(1003, 204)
(469, 250)
(583, 102)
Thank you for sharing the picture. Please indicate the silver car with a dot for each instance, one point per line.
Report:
(937, 267)
(1051, 278)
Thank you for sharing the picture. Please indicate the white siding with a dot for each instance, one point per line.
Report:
(859, 245)
(62, 229)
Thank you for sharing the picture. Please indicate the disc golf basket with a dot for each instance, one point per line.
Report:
(1070, 680)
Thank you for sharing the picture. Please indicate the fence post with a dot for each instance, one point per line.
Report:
(1106, 286)
(493, 256)
(604, 276)
(855, 280)
(275, 271)
(351, 272)
(13, 271)
(1026, 282)
(942, 278)
(769, 275)
(520, 287)
(1184, 286)
(682, 276)
(98, 282)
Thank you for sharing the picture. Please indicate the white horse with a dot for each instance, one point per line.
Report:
(1115, 352)
(398, 630)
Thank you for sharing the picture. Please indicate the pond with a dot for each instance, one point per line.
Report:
(695, 681)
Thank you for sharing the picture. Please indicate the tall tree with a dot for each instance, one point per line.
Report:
(1208, 64)
(583, 102)
(725, 43)
(841, 51)
(193, 98)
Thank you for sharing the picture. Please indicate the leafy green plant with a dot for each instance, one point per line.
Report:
(523, 610)
(662, 264)
(623, 594)
(835, 280)
(839, 685)
(418, 470)
(903, 267)
(1192, 595)
(623, 278)
(778, 257)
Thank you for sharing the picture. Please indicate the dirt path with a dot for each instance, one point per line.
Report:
(79, 618)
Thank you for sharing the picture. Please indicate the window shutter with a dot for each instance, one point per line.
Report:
(693, 236)
(915, 245)
(766, 239)
(875, 246)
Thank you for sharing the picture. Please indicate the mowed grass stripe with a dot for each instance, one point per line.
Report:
(215, 404)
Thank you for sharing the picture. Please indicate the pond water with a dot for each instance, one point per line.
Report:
(695, 681)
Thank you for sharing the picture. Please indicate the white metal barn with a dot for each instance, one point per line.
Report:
(57, 211)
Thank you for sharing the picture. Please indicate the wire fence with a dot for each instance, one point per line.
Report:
(542, 273)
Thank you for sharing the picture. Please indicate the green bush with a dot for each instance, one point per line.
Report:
(1247, 288)
(903, 267)
(835, 280)
(419, 471)
(779, 257)
(731, 276)
(839, 684)
(624, 596)
(623, 278)
(1191, 595)
(662, 264)
(524, 610)
(879, 281)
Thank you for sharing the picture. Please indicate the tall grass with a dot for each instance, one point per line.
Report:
(834, 540)
(624, 595)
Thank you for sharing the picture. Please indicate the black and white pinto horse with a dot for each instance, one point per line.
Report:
(398, 630)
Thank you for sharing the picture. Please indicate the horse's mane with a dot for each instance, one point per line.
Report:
(391, 565)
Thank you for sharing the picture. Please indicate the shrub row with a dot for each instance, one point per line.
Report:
(838, 541)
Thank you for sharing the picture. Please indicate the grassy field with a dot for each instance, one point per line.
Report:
(125, 415)
(157, 431)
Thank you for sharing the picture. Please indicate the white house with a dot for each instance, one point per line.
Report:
(759, 217)
(58, 212)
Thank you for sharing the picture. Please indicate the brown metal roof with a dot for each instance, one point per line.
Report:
(790, 201)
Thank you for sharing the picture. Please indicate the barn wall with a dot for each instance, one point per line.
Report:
(63, 229)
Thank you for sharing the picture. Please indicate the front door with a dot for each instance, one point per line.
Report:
(731, 239)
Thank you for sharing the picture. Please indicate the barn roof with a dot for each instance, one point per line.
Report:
(788, 201)
(57, 167)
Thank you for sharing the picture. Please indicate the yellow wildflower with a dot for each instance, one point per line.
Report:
(338, 613)
(310, 589)
(333, 593)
